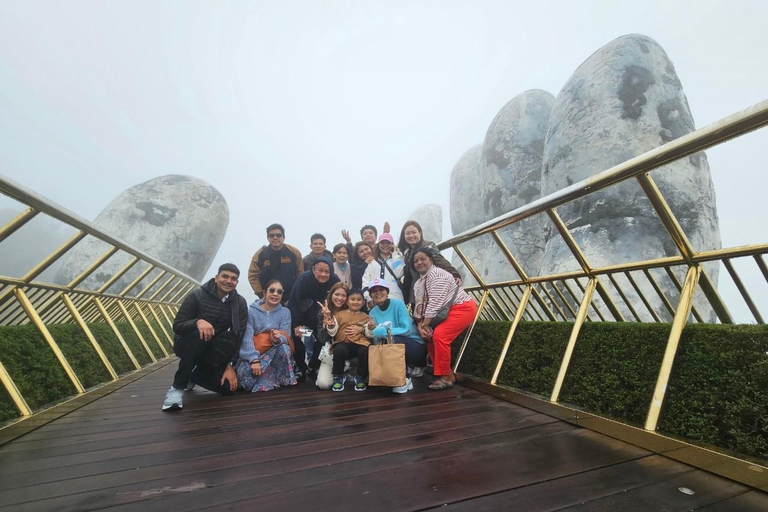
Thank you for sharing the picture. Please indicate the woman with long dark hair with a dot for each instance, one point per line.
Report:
(411, 238)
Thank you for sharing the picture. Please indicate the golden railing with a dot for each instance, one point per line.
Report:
(149, 300)
(618, 292)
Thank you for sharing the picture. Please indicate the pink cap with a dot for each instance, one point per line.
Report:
(378, 282)
(388, 237)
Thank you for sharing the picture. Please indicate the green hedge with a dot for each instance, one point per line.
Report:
(39, 376)
(717, 394)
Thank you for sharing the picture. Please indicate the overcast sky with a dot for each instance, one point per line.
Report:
(327, 115)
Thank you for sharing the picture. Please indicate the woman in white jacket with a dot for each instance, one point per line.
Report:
(388, 265)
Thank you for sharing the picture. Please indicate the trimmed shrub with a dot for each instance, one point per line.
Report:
(33, 367)
(717, 393)
(133, 343)
(80, 354)
(112, 348)
(147, 335)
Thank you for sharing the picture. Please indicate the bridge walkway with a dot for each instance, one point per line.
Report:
(309, 450)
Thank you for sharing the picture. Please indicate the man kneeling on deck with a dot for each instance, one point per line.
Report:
(209, 328)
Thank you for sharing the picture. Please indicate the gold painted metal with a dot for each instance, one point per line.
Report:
(713, 296)
(120, 273)
(469, 266)
(506, 301)
(659, 292)
(540, 301)
(568, 239)
(627, 302)
(35, 318)
(162, 287)
(166, 316)
(532, 313)
(608, 301)
(151, 308)
(666, 216)
(115, 330)
(480, 308)
(580, 318)
(79, 319)
(592, 304)
(743, 291)
(150, 284)
(13, 391)
(151, 330)
(678, 323)
(673, 278)
(136, 281)
(17, 222)
(180, 283)
(554, 304)
(508, 254)
(565, 301)
(761, 265)
(183, 292)
(511, 333)
(731, 252)
(501, 310)
(130, 321)
(640, 294)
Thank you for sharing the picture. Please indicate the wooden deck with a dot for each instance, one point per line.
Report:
(307, 450)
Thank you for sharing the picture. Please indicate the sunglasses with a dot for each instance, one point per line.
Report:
(275, 290)
(275, 235)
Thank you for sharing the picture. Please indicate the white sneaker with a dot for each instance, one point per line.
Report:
(417, 371)
(404, 388)
(172, 400)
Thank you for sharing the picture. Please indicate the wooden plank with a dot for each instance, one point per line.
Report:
(127, 486)
(747, 502)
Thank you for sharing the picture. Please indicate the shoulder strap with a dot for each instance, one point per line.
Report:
(384, 264)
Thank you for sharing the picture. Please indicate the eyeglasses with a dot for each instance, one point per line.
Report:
(276, 290)
(275, 235)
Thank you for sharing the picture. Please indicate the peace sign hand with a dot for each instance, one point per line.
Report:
(324, 309)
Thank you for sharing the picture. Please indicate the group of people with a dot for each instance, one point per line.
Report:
(345, 299)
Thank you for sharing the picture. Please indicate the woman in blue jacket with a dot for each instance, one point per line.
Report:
(394, 314)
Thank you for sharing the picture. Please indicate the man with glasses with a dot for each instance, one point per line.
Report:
(277, 260)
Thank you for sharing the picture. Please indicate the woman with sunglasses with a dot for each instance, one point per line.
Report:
(266, 352)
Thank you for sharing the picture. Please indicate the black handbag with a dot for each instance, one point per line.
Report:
(442, 313)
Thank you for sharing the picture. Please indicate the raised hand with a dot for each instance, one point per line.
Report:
(345, 236)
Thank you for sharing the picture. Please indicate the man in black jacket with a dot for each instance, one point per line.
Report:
(209, 328)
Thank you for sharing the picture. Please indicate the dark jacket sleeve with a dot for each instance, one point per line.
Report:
(296, 304)
(444, 264)
(188, 313)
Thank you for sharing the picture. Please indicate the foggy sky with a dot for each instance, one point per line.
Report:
(327, 115)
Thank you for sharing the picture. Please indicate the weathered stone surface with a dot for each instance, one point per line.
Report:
(467, 185)
(178, 219)
(507, 176)
(430, 218)
(624, 100)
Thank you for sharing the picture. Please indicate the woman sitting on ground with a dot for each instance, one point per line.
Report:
(335, 302)
(387, 265)
(266, 360)
(392, 313)
(411, 238)
(351, 338)
(437, 292)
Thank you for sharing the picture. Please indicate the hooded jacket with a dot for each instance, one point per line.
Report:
(306, 293)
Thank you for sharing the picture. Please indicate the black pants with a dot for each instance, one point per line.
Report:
(300, 355)
(192, 368)
(343, 352)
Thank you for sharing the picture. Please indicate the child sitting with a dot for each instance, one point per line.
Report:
(351, 330)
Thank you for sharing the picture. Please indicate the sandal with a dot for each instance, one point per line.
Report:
(440, 384)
